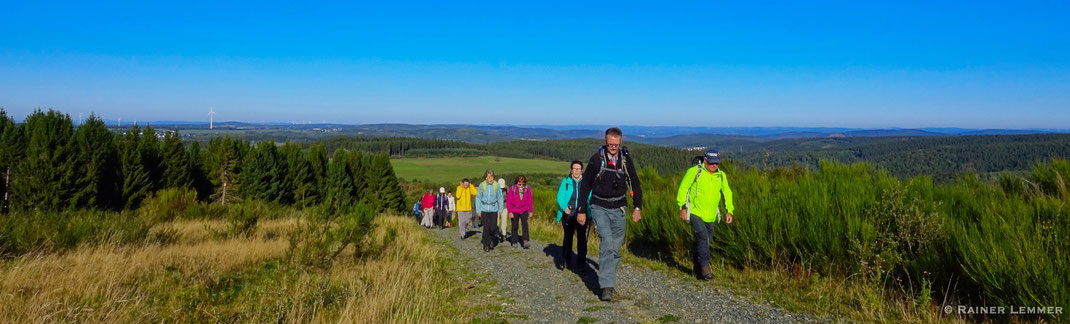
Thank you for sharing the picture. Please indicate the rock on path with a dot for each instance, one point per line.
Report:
(536, 290)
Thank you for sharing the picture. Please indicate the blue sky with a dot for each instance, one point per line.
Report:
(841, 64)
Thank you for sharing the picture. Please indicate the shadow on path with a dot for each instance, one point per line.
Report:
(589, 277)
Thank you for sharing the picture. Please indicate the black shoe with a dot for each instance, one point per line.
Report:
(568, 263)
(486, 249)
(607, 294)
(512, 244)
(526, 245)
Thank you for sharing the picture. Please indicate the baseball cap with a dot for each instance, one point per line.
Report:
(712, 156)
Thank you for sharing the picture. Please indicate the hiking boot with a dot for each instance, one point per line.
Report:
(707, 274)
(607, 294)
(526, 245)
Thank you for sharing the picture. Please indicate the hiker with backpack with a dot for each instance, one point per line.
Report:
(519, 202)
(442, 205)
(428, 204)
(450, 209)
(699, 199)
(568, 199)
(503, 215)
(464, 195)
(489, 204)
(609, 180)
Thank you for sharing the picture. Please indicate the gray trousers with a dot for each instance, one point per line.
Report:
(611, 226)
(463, 219)
(703, 235)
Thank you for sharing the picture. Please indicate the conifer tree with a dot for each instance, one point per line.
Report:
(223, 168)
(45, 178)
(317, 160)
(149, 145)
(299, 175)
(12, 146)
(263, 174)
(340, 190)
(175, 163)
(135, 183)
(97, 186)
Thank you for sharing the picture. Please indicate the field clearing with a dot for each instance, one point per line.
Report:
(449, 170)
(201, 277)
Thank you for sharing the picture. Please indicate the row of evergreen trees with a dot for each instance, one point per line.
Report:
(47, 163)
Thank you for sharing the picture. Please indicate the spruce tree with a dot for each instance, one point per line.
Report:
(263, 173)
(97, 186)
(357, 164)
(175, 163)
(389, 191)
(299, 175)
(46, 177)
(340, 190)
(149, 145)
(222, 165)
(317, 160)
(135, 183)
(197, 171)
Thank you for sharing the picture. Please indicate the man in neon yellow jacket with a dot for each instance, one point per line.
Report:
(699, 199)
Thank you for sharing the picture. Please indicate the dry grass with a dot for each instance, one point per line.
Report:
(202, 277)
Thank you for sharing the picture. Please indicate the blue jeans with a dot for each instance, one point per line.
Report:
(611, 226)
(703, 235)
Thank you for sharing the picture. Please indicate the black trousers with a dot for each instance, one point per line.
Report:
(490, 228)
(516, 221)
(572, 227)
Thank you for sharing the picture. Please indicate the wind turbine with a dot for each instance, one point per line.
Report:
(211, 117)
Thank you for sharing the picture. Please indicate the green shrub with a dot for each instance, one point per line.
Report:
(32, 231)
(324, 234)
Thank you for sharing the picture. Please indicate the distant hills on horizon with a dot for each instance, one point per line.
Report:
(675, 136)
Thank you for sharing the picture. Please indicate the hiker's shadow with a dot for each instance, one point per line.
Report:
(589, 277)
(647, 251)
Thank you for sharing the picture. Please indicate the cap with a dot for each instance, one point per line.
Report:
(441, 190)
(712, 156)
(501, 182)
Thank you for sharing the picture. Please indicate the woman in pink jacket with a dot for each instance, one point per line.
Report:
(519, 202)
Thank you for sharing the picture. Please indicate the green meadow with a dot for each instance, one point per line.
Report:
(444, 170)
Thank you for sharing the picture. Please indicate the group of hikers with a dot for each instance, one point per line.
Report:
(597, 195)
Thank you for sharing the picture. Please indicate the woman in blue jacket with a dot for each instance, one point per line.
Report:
(567, 200)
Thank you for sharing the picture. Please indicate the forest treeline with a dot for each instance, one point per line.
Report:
(49, 164)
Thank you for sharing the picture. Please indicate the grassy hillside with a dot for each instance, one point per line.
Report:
(449, 170)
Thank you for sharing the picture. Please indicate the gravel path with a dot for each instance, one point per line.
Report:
(536, 290)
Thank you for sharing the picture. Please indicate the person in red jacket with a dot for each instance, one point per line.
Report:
(428, 204)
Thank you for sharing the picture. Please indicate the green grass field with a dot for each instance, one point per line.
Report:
(441, 170)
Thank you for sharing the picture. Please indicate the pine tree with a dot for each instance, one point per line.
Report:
(45, 179)
(98, 160)
(135, 183)
(175, 163)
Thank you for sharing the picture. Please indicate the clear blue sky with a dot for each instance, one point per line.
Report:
(849, 64)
